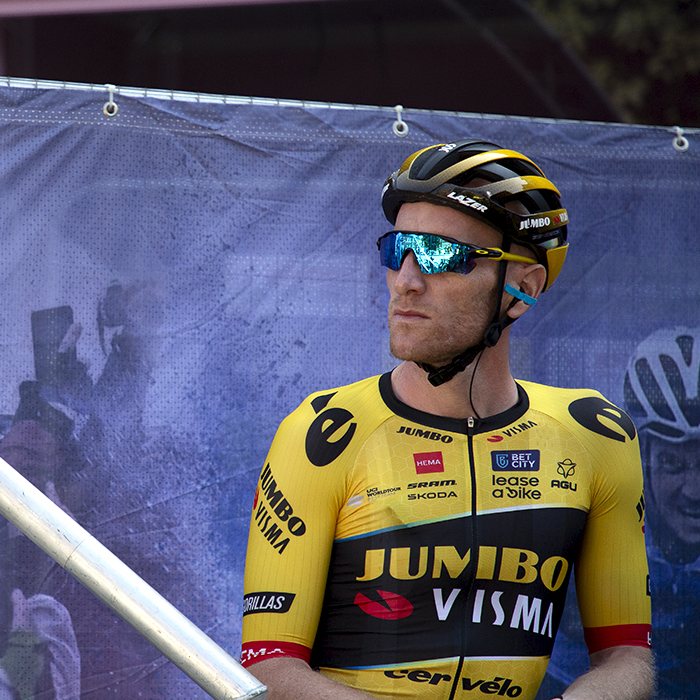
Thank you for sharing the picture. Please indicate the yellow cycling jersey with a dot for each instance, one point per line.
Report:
(409, 555)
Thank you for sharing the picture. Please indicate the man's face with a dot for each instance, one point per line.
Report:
(674, 481)
(433, 318)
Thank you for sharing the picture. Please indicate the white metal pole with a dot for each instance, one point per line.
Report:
(77, 551)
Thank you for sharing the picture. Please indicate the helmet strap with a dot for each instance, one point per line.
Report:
(440, 375)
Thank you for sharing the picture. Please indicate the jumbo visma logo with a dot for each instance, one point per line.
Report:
(329, 434)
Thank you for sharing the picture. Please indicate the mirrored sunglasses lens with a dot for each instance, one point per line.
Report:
(433, 254)
(388, 252)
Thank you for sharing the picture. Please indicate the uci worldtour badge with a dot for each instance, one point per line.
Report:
(515, 461)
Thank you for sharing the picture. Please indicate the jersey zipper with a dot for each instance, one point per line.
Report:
(471, 423)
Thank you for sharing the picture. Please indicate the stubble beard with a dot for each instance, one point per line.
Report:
(436, 347)
(439, 345)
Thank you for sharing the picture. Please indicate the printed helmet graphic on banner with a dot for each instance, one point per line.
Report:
(662, 385)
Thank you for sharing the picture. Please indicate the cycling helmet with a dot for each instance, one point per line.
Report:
(662, 385)
(442, 175)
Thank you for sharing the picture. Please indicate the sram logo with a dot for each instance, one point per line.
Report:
(431, 484)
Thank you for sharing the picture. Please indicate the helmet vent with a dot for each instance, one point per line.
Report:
(685, 345)
(652, 390)
(417, 166)
(689, 406)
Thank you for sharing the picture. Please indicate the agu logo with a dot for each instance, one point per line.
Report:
(428, 462)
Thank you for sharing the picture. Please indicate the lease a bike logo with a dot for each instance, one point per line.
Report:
(392, 607)
(515, 460)
(615, 424)
(330, 433)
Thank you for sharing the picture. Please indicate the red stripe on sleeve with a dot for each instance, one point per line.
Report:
(257, 651)
(598, 638)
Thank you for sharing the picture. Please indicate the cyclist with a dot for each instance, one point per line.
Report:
(413, 534)
(661, 391)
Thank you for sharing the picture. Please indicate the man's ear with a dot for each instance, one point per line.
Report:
(530, 280)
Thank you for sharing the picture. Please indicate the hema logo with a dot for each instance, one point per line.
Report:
(428, 462)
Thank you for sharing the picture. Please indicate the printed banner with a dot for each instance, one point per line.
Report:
(178, 277)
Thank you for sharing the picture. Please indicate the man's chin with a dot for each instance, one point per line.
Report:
(418, 355)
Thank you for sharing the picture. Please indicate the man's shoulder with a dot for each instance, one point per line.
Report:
(348, 392)
(544, 392)
(358, 398)
(587, 411)
(333, 422)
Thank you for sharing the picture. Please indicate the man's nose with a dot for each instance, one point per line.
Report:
(409, 277)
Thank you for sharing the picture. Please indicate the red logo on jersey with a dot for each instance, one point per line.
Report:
(428, 462)
(495, 438)
(395, 607)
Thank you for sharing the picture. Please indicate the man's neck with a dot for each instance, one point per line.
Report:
(492, 391)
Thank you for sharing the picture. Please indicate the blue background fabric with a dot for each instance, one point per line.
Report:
(220, 261)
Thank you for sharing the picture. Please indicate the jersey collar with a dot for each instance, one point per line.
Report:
(455, 425)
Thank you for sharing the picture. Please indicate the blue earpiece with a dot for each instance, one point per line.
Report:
(520, 295)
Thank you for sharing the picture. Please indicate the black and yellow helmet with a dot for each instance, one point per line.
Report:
(442, 174)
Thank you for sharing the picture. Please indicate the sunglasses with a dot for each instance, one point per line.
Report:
(436, 253)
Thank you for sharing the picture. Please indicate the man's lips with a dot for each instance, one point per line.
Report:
(407, 314)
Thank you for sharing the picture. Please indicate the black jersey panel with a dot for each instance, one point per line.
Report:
(416, 593)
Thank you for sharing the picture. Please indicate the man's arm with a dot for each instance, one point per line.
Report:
(617, 673)
(288, 678)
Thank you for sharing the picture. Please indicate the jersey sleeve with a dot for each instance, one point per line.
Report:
(299, 493)
(612, 576)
